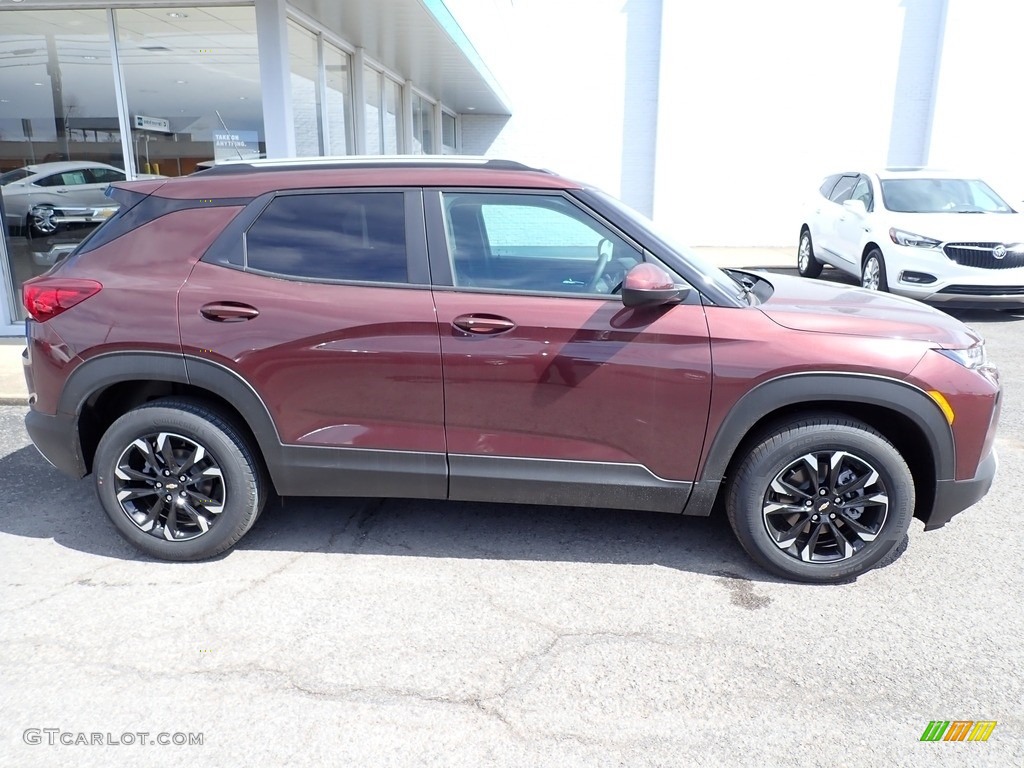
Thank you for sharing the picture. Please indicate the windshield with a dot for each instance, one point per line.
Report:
(709, 273)
(16, 175)
(942, 196)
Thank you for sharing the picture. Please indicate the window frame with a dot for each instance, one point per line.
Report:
(229, 249)
(851, 175)
(870, 205)
(441, 267)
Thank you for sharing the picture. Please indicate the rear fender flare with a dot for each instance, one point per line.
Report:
(104, 370)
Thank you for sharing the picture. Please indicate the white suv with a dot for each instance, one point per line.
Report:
(924, 234)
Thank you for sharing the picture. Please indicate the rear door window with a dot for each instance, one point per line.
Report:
(828, 184)
(349, 236)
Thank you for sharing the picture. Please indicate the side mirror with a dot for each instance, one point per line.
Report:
(855, 206)
(648, 285)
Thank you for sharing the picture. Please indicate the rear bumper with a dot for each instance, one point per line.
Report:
(56, 438)
(954, 496)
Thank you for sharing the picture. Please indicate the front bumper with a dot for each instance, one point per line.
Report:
(954, 496)
(83, 215)
(953, 284)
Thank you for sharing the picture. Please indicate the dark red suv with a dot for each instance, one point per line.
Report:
(480, 330)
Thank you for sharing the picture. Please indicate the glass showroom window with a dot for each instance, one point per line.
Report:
(337, 67)
(422, 126)
(57, 104)
(383, 113)
(192, 85)
(392, 117)
(303, 59)
(449, 139)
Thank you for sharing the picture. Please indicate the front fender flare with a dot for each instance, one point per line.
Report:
(820, 388)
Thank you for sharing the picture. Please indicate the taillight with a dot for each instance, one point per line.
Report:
(47, 297)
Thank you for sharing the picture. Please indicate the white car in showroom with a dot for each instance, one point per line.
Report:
(46, 197)
(930, 235)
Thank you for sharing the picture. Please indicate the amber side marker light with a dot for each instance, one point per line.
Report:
(943, 403)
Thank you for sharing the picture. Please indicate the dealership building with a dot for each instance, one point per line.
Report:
(719, 120)
(165, 87)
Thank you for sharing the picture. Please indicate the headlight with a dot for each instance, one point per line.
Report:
(901, 237)
(973, 357)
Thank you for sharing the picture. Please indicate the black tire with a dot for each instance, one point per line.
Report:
(852, 537)
(228, 476)
(807, 265)
(873, 269)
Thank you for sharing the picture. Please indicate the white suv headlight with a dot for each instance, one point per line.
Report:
(900, 237)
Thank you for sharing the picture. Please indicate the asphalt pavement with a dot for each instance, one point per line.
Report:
(400, 632)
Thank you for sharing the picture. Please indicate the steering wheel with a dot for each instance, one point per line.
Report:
(605, 249)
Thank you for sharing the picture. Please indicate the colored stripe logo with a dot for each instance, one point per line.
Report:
(958, 730)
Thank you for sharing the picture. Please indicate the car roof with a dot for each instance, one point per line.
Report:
(367, 161)
(886, 174)
(67, 165)
(247, 179)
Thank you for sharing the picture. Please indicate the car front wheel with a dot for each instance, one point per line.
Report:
(872, 275)
(806, 263)
(40, 221)
(821, 499)
(178, 479)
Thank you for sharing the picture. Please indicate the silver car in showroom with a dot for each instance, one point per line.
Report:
(41, 199)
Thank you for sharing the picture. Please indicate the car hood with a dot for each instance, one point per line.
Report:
(822, 307)
(1005, 228)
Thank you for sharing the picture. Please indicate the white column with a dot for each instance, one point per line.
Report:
(917, 80)
(358, 103)
(406, 147)
(120, 94)
(275, 77)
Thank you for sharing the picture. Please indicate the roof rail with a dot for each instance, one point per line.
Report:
(364, 161)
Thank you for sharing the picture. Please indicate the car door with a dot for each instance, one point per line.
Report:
(831, 212)
(852, 225)
(554, 391)
(70, 189)
(319, 301)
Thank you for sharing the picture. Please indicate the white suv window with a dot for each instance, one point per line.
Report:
(843, 189)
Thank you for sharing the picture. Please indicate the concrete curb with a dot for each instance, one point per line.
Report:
(13, 399)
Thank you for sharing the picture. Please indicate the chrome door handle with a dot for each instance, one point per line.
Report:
(228, 311)
(486, 325)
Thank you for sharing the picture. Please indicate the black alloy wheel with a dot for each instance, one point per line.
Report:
(170, 486)
(179, 479)
(820, 499)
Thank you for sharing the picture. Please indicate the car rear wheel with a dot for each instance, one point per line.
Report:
(872, 275)
(179, 480)
(821, 499)
(806, 264)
